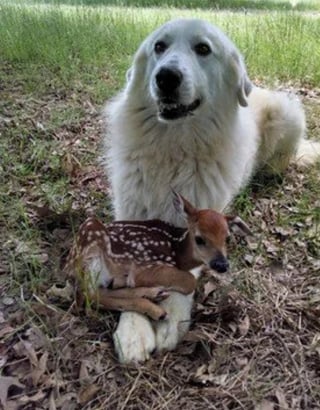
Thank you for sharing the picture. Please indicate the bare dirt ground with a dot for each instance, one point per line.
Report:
(254, 341)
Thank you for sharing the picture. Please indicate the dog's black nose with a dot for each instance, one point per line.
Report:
(168, 79)
(220, 264)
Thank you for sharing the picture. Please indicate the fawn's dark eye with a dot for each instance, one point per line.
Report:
(200, 241)
(202, 49)
(160, 47)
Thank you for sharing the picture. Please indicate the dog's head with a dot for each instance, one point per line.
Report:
(188, 64)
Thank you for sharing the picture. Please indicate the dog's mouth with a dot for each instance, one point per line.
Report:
(169, 110)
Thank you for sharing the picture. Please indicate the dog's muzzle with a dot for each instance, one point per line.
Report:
(173, 111)
(168, 81)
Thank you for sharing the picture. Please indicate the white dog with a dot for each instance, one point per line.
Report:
(190, 119)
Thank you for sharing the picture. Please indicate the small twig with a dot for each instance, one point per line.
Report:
(45, 304)
(134, 385)
(296, 367)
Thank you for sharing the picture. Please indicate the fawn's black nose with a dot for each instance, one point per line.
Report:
(168, 79)
(220, 264)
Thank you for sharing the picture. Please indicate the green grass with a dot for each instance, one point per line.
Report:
(202, 4)
(94, 45)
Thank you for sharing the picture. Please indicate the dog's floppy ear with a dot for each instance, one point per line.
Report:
(244, 85)
(136, 72)
(128, 74)
(244, 90)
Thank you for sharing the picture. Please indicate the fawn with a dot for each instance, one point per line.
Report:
(129, 265)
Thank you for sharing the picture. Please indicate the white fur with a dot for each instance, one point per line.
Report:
(207, 157)
(134, 338)
(170, 331)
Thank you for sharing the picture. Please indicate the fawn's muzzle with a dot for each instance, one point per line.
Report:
(219, 264)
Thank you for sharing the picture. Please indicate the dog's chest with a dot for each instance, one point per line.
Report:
(190, 160)
(168, 157)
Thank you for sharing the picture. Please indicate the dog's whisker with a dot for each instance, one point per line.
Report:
(147, 119)
(148, 130)
(215, 122)
(140, 109)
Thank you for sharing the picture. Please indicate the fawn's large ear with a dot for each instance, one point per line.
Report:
(236, 221)
(182, 206)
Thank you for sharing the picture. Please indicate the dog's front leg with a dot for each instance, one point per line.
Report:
(178, 308)
(170, 332)
(134, 339)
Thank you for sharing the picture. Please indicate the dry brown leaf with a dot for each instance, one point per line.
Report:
(222, 280)
(40, 369)
(6, 330)
(3, 360)
(29, 399)
(42, 211)
(83, 373)
(244, 325)
(209, 287)
(204, 376)
(252, 243)
(194, 336)
(52, 380)
(315, 344)
(283, 404)
(12, 405)
(242, 361)
(52, 403)
(36, 337)
(7, 301)
(66, 293)
(70, 164)
(283, 232)
(19, 368)
(265, 405)
(200, 372)
(87, 393)
(79, 329)
(2, 319)
(249, 259)
(232, 326)
(270, 247)
(67, 401)
(5, 383)
(24, 348)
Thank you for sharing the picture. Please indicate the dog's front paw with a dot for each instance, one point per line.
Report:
(134, 339)
(167, 335)
(170, 332)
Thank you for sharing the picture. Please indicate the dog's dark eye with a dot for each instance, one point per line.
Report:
(160, 47)
(202, 49)
(200, 241)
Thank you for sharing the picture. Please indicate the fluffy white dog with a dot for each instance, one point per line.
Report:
(190, 119)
